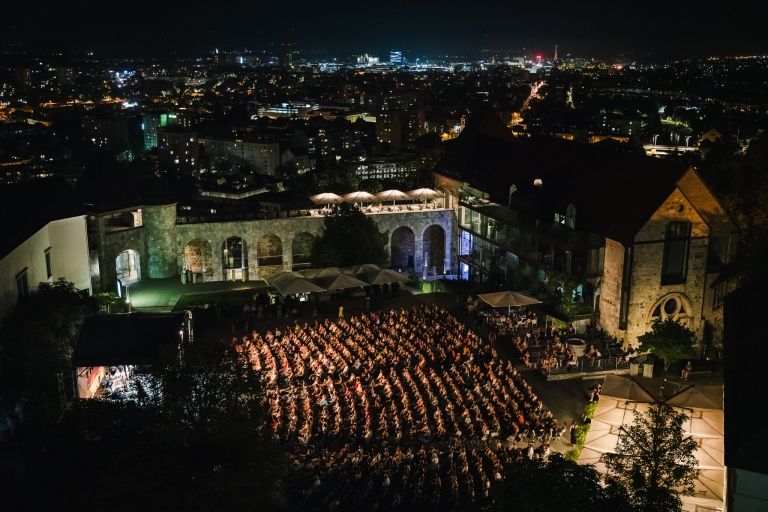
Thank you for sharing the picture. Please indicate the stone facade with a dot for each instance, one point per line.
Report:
(646, 290)
(610, 286)
(162, 244)
(160, 223)
(691, 301)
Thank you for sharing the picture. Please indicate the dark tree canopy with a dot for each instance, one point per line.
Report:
(349, 238)
(655, 460)
(668, 339)
(194, 440)
(36, 343)
(557, 484)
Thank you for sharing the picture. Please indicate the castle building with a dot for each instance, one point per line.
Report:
(644, 239)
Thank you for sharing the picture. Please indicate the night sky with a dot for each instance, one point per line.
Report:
(420, 27)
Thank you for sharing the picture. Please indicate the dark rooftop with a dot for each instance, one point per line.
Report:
(613, 188)
(133, 338)
(28, 206)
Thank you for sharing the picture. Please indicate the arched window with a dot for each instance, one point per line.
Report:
(676, 242)
(675, 306)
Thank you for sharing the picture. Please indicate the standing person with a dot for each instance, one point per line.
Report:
(341, 311)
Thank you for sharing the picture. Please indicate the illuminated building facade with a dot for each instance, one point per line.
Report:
(400, 128)
(645, 239)
(178, 150)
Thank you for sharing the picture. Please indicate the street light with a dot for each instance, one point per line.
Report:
(128, 297)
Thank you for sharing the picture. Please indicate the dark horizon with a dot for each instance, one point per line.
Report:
(654, 29)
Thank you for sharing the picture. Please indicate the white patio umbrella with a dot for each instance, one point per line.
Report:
(626, 388)
(507, 299)
(326, 198)
(360, 197)
(392, 195)
(422, 194)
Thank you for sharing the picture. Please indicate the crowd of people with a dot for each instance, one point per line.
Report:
(397, 407)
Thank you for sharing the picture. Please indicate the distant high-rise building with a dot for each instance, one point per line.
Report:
(178, 150)
(114, 131)
(400, 128)
(366, 60)
(150, 122)
(555, 53)
(262, 155)
(396, 58)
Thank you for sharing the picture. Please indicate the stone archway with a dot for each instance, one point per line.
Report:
(434, 248)
(403, 248)
(198, 257)
(301, 248)
(269, 251)
(128, 266)
(234, 259)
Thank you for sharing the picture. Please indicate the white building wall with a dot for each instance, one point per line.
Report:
(67, 239)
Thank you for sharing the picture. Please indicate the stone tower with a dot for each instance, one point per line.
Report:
(160, 226)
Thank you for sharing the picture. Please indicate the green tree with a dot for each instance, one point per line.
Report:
(37, 342)
(560, 291)
(340, 177)
(655, 460)
(108, 302)
(668, 339)
(557, 484)
(349, 237)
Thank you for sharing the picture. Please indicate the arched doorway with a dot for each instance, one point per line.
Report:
(128, 266)
(434, 249)
(403, 248)
(234, 257)
(198, 257)
(269, 251)
(301, 248)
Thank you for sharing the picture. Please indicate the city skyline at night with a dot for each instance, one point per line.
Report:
(603, 29)
(391, 256)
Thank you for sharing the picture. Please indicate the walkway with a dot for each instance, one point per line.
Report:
(169, 294)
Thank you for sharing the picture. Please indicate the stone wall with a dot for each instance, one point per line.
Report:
(646, 289)
(610, 288)
(160, 224)
(286, 230)
(114, 243)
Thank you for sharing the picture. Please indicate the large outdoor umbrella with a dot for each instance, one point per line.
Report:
(507, 299)
(321, 272)
(282, 279)
(422, 194)
(300, 285)
(698, 397)
(366, 268)
(625, 388)
(360, 196)
(385, 276)
(326, 198)
(392, 195)
(341, 282)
